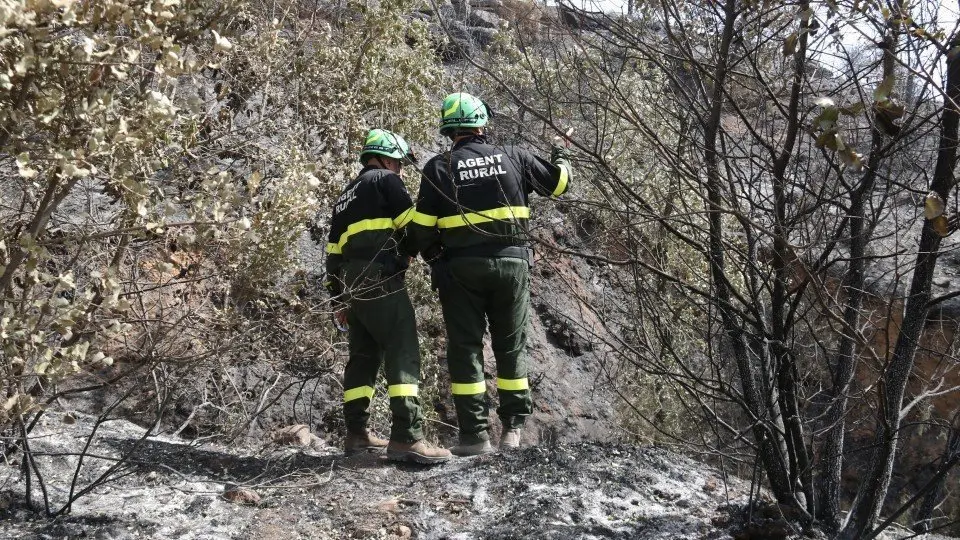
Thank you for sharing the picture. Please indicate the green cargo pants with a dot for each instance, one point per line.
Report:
(383, 330)
(497, 289)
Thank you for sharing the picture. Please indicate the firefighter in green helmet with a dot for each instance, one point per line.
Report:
(471, 226)
(367, 255)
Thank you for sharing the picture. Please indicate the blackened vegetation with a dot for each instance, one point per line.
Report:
(560, 332)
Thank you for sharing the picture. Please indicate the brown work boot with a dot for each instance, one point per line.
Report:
(474, 449)
(417, 452)
(362, 442)
(510, 439)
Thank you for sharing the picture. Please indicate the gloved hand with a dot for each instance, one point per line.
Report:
(340, 319)
(340, 308)
(559, 154)
(440, 276)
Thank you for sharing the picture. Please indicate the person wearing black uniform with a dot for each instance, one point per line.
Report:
(471, 226)
(367, 255)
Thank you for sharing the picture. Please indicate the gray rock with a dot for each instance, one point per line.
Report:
(441, 4)
(486, 4)
(483, 37)
(461, 8)
(447, 12)
(240, 495)
(297, 435)
(461, 44)
(484, 19)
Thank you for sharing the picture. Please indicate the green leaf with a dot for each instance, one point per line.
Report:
(886, 113)
(11, 402)
(23, 160)
(933, 206)
(853, 110)
(883, 90)
(850, 158)
(830, 140)
(831, 114)
(790, 44)
(941, 225)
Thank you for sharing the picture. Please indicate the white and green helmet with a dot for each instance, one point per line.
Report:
(461, 109)
(385, 143)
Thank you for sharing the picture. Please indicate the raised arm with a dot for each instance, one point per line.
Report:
(548, 178)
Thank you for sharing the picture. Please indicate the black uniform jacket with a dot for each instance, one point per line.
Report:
(368, 225)
(477, 195)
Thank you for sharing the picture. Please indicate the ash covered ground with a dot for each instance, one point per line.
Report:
(172, 489)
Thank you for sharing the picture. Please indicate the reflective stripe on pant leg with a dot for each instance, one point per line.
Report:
(468, 389)
(392, 321)
(357, 393)
(360, 373)
(406, 425)
(509, 316)
(463, 314)
(403, 390)
(513, 384)
(470, 400)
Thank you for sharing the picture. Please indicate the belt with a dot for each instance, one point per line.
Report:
(489, 250)
(391, 263)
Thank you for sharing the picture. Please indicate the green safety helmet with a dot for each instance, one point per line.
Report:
(461, 109)
(385, 143)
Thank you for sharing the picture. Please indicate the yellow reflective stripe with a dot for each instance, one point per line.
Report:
(453, 108)
(334, 249)
(512, 384)
(483, 216)
(424, 219)
(404, 218)
(468, 389)
(403, 390)
(374, 224)
(357, 393)
(562, 184)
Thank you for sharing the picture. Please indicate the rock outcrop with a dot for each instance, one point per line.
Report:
(463, 28)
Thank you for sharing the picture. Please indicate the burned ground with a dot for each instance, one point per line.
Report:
(173, 489)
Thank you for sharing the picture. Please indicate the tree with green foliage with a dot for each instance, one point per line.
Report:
(746, 172)
(161, 159)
